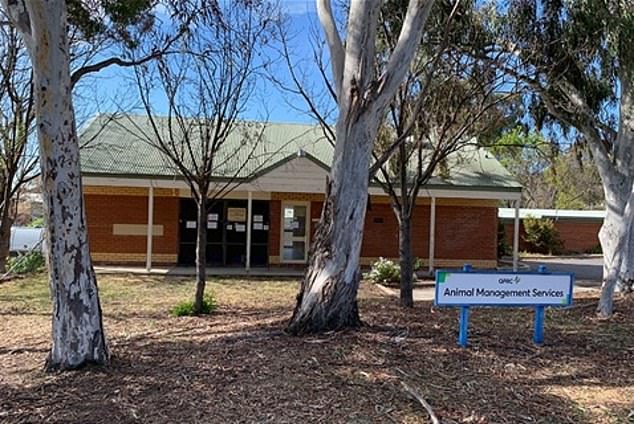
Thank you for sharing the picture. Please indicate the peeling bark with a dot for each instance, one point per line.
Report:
(77, 328)
(328, 294)
(617, 235)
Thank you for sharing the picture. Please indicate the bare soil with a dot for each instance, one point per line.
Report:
(238, 365)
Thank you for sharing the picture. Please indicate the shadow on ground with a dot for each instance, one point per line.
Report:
(239, 366)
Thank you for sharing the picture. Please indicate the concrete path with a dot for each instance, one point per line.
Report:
(190, 271)
(588, 270)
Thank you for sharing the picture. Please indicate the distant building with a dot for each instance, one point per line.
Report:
(578, 229)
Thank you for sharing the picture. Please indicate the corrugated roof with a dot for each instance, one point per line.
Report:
(509, 213)
(119, 146)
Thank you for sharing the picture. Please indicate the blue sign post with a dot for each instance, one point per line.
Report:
(466, 288)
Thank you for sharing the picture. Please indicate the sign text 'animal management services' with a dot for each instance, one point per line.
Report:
(510, 289)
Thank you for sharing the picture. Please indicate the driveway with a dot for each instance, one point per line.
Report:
(587, 269)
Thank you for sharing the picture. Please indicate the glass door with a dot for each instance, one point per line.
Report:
(294, 232)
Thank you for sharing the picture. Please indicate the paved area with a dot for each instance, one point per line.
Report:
(588, 270)
(187, 271)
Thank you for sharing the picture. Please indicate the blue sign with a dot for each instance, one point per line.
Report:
(466, 288)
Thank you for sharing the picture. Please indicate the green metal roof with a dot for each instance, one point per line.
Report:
(119, 146)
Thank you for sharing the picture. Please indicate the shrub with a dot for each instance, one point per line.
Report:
(542, 236)
(28, 263)
(384, 271)
(503, 245)
(37, 223)
(186, 308)
(595, 250)
(418, 264)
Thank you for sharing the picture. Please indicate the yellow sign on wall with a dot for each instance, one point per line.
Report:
(237, 214)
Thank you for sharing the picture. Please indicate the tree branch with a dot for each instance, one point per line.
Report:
(337, 54)
(96, 67)
(408, 40)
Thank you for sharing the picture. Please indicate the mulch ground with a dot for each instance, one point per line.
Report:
(239, 366)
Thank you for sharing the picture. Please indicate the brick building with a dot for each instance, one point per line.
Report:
(578, 230)
(140, 211)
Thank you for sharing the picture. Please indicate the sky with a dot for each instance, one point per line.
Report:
(112, 89)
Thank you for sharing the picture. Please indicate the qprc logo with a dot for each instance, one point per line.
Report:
(509, 280)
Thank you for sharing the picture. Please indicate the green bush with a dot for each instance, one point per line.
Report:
(186, 308)
(542, 236)
(418, 264)
(503, 245)
(384, 271)
(595, 250)
(37, 223)
(28, 263)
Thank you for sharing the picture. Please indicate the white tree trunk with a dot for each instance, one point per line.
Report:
(328, 294)
(617, 175)
(78, 336)
(617, 243)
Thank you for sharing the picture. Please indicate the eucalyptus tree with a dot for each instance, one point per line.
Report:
(207, 87)
(328, 293)
(46, 28)
(577, 62)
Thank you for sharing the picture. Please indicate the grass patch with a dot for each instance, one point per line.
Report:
(186, 308)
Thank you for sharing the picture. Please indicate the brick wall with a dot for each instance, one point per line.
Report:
(103, 211)
(466, 232)
(465, 229)
(577, 236)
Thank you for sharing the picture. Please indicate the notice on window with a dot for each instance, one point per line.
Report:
(237, 214)
(240, 228)
(212, 217)
(258, 218)
(288, 239)
(289, 212)
(265, 227)
(257, 225)
(229, 227)
(190, 224)
(212, 225)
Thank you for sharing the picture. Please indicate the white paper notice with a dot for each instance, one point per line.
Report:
(212, 217)
(257, 226)
(212, 225)
(288, 239)
(265, 227)
(190, 224)
(258, 218)
(240, 228)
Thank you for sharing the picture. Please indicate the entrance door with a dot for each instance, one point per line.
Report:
(295, 232)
